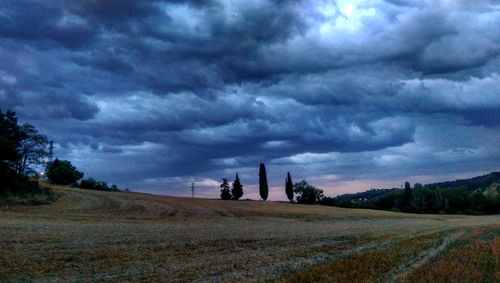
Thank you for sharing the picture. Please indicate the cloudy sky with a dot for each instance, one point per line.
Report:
(154, 95)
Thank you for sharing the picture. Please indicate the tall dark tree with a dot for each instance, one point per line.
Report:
(62, 172)
(237, 189)
(289, 187)
(407, 189)
(225, 193)
(407, 197)
(263, 187)
(10, 138)
(32, 149)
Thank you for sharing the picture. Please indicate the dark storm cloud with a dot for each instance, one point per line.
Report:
(43, 25)
(146, 92)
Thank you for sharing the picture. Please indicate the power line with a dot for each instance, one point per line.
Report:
(192, 190)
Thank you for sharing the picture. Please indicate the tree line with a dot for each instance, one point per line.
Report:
(464, 198)
(479, 195)
(23, 151)
(306, 193)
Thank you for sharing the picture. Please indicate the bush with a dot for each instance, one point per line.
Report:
(27, 192)
(307, 194)
(91, 184)
(62, 172)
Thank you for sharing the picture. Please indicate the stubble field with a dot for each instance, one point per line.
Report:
(102, 236)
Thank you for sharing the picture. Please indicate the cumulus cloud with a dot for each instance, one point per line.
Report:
(157, 94)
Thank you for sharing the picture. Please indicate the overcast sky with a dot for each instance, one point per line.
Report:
(154, 95)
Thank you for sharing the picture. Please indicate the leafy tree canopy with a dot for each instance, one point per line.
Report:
(32, 150)
(307, 194)
(62, 172)
(10, 137)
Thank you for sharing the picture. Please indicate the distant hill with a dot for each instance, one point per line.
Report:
(478, 195)
(479, 182)
(366, 196)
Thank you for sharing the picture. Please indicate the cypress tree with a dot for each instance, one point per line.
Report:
(263, 187)
(225, 194)
(237, 189)
(289, 187)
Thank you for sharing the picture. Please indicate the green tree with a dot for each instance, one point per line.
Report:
(263, 187)
(237, 189)
(62, 172)
(32, 150)
(289, 187)
(307, 194)
(225, 193)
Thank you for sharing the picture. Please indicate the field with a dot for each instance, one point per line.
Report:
(102, 236)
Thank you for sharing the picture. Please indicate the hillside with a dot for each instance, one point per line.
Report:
(479, 182)
(116, 236)
(478, 195)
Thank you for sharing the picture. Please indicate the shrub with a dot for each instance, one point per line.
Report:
(307, 194)
(62, 172)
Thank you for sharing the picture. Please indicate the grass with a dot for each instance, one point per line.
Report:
(103, 236)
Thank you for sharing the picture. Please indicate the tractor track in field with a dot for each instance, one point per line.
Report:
(423, 258)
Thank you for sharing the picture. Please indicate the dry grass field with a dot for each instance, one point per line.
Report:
(102, 236)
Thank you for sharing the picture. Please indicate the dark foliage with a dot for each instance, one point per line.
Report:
(91, 184)
(27, 192)
(289, 187)
(263, 187)
(358, 199)
(62, 172)
(32, 150)
(225, 193)
(307, 194)
(402, 203)
(480, 195)
(237, 189)
(12, 138)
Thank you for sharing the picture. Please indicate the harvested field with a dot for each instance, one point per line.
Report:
(103, 236)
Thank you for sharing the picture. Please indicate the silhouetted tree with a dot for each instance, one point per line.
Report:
(406, 198)
(91, 184)
(10, 139)
(62, 172)
(32, 149)
(225, 193)
(289, 187)
(237, 189)
(263, 187)
(307, 194)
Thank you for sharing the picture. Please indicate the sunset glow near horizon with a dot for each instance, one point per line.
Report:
(349, 95)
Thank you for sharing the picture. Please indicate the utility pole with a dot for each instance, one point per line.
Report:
(192, 190)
